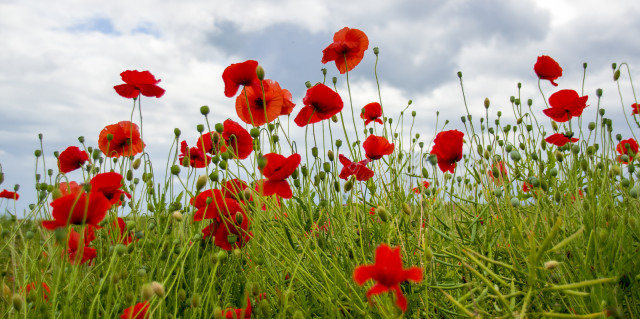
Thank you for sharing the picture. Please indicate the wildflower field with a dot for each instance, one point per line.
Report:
(531, 218)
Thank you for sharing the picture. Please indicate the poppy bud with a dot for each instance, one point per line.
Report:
(314, 151)
(382, 213)
(326, 166)
(260, 72)
(120, 249)
(330, 155)
(459, 75)
(201, 182)
(554, 125)
(177, 216)
(334, 119)
(146, 292)
(599, 94)
(425, 173)
(616, 169)
(625, 182)
(37, 153)
(413, 113)
(559, 156)
(195, 300)
(308, 84)
(175, 169)
(406, 209)
(334, 80)
(176, 132)
(304, 170)
(158, 289)
(247, 194)
(348, 186)
(219, 128)
(515, 202)
(17, 302)
(338, 143)
(239, 219)
(551, 264)
(262, 162)
(275, 139)
(200, 128)
(322, 176)
(109, 137)
(634, 193)
(223, 165)
(616, 75)
(433, 159)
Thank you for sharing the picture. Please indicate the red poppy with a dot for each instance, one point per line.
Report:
(10, 195)
(233, 138)
(87, 253)
(425, 185)
(371, 113)
(121, 232)
(631, 150)
(565, 104)
(277, 170)
(376, 147)
(635, 108)
(448, 149)
(547, 68)
(109, 184)
(77, 209)
(195, 155)
(347, 49)
(502, 172)
(245, 313)
(214, 208)
(320, 103)
(526, 187)
(70, 188)
(388, 274)
(138, 83)
(234, 225)
(233, 189)
(45, 289)
(239, 74)
(71, 159)
(288, 105)
(559, 139)
(359, 169)
(125, 140)
(139, 311)
(272, 99)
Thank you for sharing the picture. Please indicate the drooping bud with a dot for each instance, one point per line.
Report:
(616, 75)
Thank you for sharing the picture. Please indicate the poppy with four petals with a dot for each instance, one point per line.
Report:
(447, 146)
(320, 103)
(71, 159)
(565, 104)
(263, 108)
(388, 274)
(138, 83)
(347, 49)
(125, 140)
(376, 147)
(547, 68)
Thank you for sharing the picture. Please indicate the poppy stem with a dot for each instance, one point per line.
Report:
(353, 117)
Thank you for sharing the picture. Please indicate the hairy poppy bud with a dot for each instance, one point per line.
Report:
(413, 113)
(136, 163)
(176, 132)
(219, 127)
(433, 159)
(327, 166)
(308, 84)
(37, 153)
(304, 170)
(314, 151)
(338, 143)
(330, 155)
(239, 219)
(214, 176)
(177, 215)
(334, 80)
(201, 182)
(146, 292)
(382, 213)
(459, 75)
(262, 162)
(487, 103)
(223, 165)
(158, 289)
(559, 156)
(515, 155)
(425, 173)
(120, 249)
(406, 209)
(175, 169)
(334, 119)
(599, 94)
(195, 300)
(348, 186)
(551, 264)
(260, 72)
(222, 255)
(515, 202)
(616, 75)
(554, 125)
(17, 302)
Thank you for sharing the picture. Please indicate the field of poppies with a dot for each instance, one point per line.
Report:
(496, 219)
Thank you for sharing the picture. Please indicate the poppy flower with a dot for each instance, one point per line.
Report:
(138, 311)
(125, 140)
(195, 156)
(109, 184)
(388, 274)
(359, 169)
(10, 195)
(138, 83)
(377, 146)
(270, 103)
(245, 313)
(70, 188)
(87, 253)
(347, 49)
(565, 104)
(121, 235)
(277, 170)
(234, 138)
(371, 113)
(425, 185)
(71, 159)
(627, 147)
(635, 108)
(287, 102)
(234, 189)
(448, 149)
(212, 204)
(320, 103)
(239, 74)
(559, 139)
(233, 225)
(45, 289)
(501, 172)
(526, 187)
(547, 68)
(78, 209)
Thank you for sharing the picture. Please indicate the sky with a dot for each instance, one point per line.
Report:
(59, 63)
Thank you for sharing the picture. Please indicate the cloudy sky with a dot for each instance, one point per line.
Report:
(59, 63)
